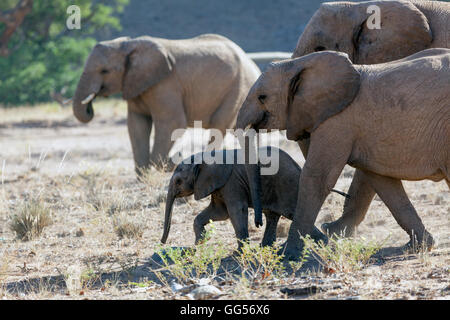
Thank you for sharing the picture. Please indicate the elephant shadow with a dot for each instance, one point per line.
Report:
(153, 269)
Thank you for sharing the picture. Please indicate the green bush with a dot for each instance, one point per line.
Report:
(48, 56)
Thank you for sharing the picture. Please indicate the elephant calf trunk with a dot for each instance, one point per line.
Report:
(168, 215)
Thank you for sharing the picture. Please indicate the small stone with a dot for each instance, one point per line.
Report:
(205, 292)
(79, 233)
(175, 286)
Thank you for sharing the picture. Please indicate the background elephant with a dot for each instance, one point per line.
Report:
(168, 83)
(230, 195)
(406, 28)
(390, 120)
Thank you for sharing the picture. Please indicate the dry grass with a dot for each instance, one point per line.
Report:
(103, 242)
(30, 220)
(127, 227)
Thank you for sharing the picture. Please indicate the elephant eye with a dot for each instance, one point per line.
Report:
(262, 98)
(104, 71)
(320, 48)
(178, 181)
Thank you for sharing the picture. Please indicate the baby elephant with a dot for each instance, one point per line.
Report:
(230, 195)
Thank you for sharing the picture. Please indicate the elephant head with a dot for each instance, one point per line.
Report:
(197, 178)
(344, 27)
(300, 94)
(125, 65)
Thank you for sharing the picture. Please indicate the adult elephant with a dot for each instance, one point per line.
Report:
(168, 83)
(390, 120)
(406, 28)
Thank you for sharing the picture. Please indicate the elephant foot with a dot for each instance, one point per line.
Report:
(294, 251)
(338, 228)
(291, 252)
(165, 165)
(266, 244)
(416, 246)
(318, 236)
(141, 172)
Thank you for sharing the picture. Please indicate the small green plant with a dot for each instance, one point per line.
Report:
(32, 217)
(260, 263)
(342, 254)
(143, 284)
(88, 278)
(203, 260)
(297, 265)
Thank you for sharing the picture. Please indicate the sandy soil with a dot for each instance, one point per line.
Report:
(84, 174)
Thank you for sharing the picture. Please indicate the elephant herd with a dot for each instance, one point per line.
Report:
(377, 99)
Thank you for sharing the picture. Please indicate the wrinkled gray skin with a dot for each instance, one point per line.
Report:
(391, 120)
(407, 28)
(168, 84)
(230, 195)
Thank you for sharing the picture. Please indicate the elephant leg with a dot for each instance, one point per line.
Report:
(238, 212)
(360, 194)
(166, 123)
(318, 177)
(161, 147)
(214, 212)
(355, 207)
(139, 130)
(393, 194)
(270, 233)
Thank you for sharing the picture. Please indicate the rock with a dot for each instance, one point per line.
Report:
(204, 292)
(175, 286)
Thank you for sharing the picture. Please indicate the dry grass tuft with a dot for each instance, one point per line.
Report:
(32, 217)
(126, 227)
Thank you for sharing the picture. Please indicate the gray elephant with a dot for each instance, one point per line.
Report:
(390, 120)
(230, 195)
(406, 27)
(168, 83)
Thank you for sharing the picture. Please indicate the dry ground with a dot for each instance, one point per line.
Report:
(84, 176)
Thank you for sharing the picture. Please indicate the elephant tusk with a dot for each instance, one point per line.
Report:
(88, 99)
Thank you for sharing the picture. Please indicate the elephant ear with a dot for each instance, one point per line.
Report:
(147, 63)
(211, 177)
(404, 30)
(321, 85)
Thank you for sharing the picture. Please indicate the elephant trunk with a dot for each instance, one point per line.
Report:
(250, 116)
(82, 100)
(254, 180)
(168, 214)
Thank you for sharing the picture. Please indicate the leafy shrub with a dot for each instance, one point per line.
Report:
(48, 56)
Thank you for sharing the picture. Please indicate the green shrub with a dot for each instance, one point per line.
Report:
(49, 57)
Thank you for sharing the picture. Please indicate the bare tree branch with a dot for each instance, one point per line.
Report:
(13, 19)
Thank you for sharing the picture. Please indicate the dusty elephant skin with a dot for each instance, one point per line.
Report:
(406, 28)
(228, 186)
(168, 83)
(390, 120)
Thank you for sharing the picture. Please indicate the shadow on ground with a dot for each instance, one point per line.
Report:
(149, 268)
